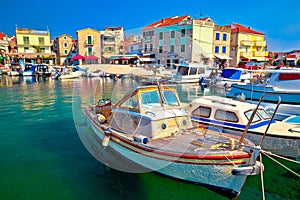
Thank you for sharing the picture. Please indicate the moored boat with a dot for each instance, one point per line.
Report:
(283, 83)
(29, 69)
(190, 73)
(149, 127)
(232, 116)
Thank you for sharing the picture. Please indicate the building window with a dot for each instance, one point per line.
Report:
(223, 49)
(225, 37)
(145, 48)
(161, 35)
(65, 37)
(42, 50)
(151, 47)
(90, 51)
(65, 44)
(172, 48)
(26, 40)
(182, 32)
(217, 36)
(217, 49)
(182, 48)
(66, 52)
(41, 41)
(172, 34)
(160, 49)
(89, 39)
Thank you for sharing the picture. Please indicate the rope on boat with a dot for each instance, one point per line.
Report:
(284, 158)
(262, 178)
(266, 153)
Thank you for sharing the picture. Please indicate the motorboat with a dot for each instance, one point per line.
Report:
(149, 127)
(29, 69)
(43, 70)
(283, 83)
(190, 73)
(15, 69)
(230, 76)
(232, 116)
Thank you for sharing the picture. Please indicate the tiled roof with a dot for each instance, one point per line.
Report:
(167, 21)
(2, 35)
(237, 28)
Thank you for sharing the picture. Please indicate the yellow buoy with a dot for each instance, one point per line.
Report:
(101, 118)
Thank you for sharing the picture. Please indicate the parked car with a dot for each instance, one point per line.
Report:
(249, 65)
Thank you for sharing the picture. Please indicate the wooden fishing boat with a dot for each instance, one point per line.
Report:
(232, 116)
(149, 127)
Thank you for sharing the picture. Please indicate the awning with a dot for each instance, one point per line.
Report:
(223, 57)
(147, 59)
(91, 57)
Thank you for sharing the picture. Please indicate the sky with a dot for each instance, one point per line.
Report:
(279, 20)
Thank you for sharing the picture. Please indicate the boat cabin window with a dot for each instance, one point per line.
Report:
(225, 115)
(202, 112)
(131, 103)
(182, 70)
(263, 114)
(169, 98)
(193, 71)
(256, 116)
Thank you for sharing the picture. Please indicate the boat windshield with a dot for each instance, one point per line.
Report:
(151, 99)
(256, 116)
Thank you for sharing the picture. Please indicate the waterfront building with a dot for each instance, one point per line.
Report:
(64, 47)
(88, 43)
(246, 45)
(221, 44)
(179, 39)
(33, 46)
(112, 43)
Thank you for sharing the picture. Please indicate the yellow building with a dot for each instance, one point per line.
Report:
(33, 44)
(246, 45)
(63, 47)
(221, 43)
(88, 42)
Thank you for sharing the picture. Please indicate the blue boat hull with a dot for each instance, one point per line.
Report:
(270, 95)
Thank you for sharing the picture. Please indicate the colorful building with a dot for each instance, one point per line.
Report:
(88, 42)
(63, 46)
(221, 43)
(179, 39)
(33, 46)
(246, 44)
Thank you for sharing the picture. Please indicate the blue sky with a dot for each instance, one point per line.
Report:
(279, 20)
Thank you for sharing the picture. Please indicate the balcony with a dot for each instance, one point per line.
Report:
(247, 54)
(259, 54)
(260, 43)
(247, 43)
(89, 42)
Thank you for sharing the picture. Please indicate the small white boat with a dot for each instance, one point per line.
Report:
(230, 76)
(149, 127)
(190, 73)
(232, 116)
(71, 75)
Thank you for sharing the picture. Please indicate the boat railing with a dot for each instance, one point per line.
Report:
(252, 117)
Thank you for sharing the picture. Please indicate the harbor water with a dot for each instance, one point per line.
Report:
(44, 156)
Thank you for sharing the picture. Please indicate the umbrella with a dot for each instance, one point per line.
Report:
(91, 57)
(78, 57)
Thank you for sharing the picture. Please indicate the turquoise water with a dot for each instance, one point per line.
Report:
(43, 156)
